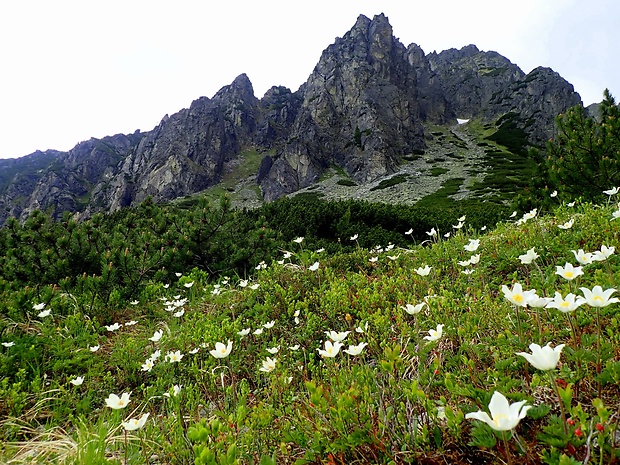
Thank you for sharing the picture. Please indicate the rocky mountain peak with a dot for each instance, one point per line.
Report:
(363, 109)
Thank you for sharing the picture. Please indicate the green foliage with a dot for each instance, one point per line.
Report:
(584, 158)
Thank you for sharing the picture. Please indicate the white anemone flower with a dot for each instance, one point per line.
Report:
(504, 416)
(135, 423)
(597, 297)
(543, 358)
(221, 350)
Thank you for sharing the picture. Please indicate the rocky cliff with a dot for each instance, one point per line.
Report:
(364, 108)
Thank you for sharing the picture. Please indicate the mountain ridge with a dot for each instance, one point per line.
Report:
(366, 106)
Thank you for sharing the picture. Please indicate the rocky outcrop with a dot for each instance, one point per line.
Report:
(363, 109)
(360, 112)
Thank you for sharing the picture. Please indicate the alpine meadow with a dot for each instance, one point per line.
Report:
(346, 274)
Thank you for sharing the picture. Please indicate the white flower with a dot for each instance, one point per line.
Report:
(295, 347)
(554, 194)
(413, 309)
(543, 358)
(273, 350)
(38, 307)
(484, 228)
(135, 423)
(354, 237)
(597, 297)
(179, 314)
(148, 365)
(407, 233)
(131, 323)
(321, 250)
(447, 234)
(115, 402)
(134, 302)
(156, 336)
(258, 331)
(314, 266)
(356, 350)
(468, 271)
(337, 336)
(287, 255)
(528, 257)
(567, 304)
(462, 218)
(221, 350)
(434, 334)
(423, 271)
(77, 381)
(298, 240)
(173, 357)
(568, 272)
(155, 355)
(361, 330)
(504, 416)
(615, 215)
(611, 192)
(393, 257)
(567, 225)
(269, 324)
(244, 332)
(513, 214)
(113, 327)
(570, 204)
(254, 286)
(603, 254)
(44, 313)
(432, 232)
(517, 295)
(243, 283)
(188, 285)
(93, 348)
(331, 350)
(473, 245)
(194, 351)
(8, 344)
(584, 258)
(373, 259)
(178, 275)
(268, 365)
(458, 226)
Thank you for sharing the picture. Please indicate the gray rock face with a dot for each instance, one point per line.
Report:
(470, 78)
(360, 112)
(363, 108)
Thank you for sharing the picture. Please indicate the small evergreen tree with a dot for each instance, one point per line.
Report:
(584, 158)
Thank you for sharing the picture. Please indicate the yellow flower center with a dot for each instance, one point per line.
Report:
(564, 304)
(568, 274)
(518, 298)
(598, 298)
(498, 417)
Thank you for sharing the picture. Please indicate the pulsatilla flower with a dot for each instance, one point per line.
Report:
(116, 403)
(423, 271)
(517, 295)
(331, 350)
(434, 334)
(504, 416)
(565, 304)
(597, 297)
(356, 350)
(528, 257)
(337, 336)
(221, 350)
(268, 365)
(135, 423)
(543, 358)
(413, 309)
(568, 271)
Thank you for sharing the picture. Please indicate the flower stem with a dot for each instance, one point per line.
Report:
(557, 391)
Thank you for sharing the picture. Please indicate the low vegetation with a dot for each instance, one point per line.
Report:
(253, 369)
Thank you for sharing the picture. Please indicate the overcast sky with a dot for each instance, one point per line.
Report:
(72, 70)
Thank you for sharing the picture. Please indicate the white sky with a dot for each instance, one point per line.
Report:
(76, 69)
